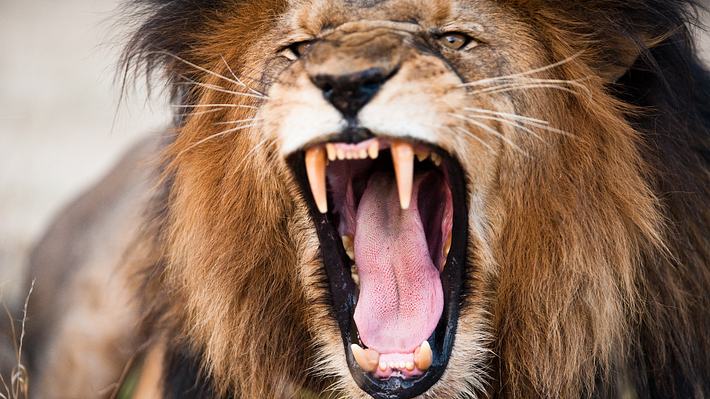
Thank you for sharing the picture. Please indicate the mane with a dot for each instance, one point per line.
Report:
(661, 97)
(658, 332)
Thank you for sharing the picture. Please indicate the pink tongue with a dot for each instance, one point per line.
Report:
(401, 299)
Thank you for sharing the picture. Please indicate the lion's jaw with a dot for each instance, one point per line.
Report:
(396, 195)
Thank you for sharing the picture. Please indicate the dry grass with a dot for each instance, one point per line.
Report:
(16, 386)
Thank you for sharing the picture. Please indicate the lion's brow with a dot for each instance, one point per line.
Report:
(364, 3)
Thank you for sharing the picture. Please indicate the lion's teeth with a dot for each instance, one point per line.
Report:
(340, 154)
(423, 356)
(367, 359)
(436, 158)
(363, 154)
(447, 246)
(315, 168)
(330, 149)
(349, 246)
(383, 365)
(374, 149)
(403, 158)
(409, 366)
(422, 154)
(354, 275)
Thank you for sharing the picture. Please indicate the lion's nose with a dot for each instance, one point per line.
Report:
(350, 93)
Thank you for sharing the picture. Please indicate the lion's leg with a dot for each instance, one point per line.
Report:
(94, 339)
(83, 316)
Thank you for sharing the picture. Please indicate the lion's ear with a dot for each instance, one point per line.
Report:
(622, 54)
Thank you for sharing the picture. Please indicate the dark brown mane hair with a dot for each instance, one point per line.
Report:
(666, 99)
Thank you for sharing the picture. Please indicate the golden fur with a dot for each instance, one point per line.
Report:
(588, 253)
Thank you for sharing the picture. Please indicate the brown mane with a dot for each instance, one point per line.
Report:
(604, 286)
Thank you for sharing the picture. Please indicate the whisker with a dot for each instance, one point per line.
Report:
(506, 114)
(473, 136)
(576, 83)
(527, 73)
(199, 68)
(195, 113)
(239, 121)
(489, 130)
(244, 85)
(512, 87)
(214, 106)
(254, 149)
(526, 80)
(217, 88)
(540, 124)
(509, 122)
(214, 136)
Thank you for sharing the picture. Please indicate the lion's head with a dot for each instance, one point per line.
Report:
(407, 197)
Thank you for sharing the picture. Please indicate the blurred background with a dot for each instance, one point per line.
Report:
(61, 126)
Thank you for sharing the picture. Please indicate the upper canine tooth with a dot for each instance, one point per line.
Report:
(349, 246)
(367, 359)
(436, 158)
(330, 149)
(374, 149)
(403, 158)
(423, 356)
(315, 168)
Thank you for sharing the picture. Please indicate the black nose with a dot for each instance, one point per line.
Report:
(349, 93)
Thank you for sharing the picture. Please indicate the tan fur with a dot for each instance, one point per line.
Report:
(568, 232)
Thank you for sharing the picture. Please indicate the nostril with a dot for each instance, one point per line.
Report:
(351, 92)
(370, 89)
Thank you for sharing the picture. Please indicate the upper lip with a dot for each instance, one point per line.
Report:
(309, 167)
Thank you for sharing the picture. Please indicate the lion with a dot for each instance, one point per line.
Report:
(395, 199)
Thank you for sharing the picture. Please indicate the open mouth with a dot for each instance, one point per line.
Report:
(391, 219)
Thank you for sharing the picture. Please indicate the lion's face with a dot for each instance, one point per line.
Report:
(393, 115)
(424, 159)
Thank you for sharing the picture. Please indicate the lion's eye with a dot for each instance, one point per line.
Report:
(454, 40)
(296, 50)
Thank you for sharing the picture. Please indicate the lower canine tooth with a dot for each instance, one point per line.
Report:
(315, 168)
(354, 275)
(423, 356)
(447, 246)
(349, 246)
(403, 158)
(367, 359)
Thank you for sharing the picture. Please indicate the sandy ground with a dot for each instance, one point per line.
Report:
(59, 130)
